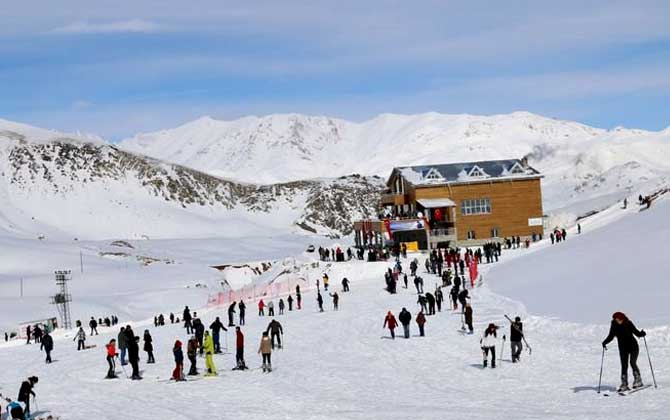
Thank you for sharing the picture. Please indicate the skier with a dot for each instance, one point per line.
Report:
(149, 347)
(416, 284)
(265, 349)
(319, 299)
(231, 311)
(199, 330)
(336, 300)
(439, 298)
(290, 302)
(421, 321)
(345, 285)
(111, 354)
(191, 352)
(123, 346)
(26, 391)
(187, 318)
(431, 303)
(243, 308)
(94, 326)
(239, 353)
(468, 317)
(488, 344)
(216, 328)
(454, 296)
(391, 322)
(178, 372)
(171, 318)
(81, 339)
(625, 332)
(261, 306)
(271, 309)
(133, 352)
(422, 302)
(47, 345)
(209, 355)
(515, 337)
(275, 329)
(281, 306)
(405, 318)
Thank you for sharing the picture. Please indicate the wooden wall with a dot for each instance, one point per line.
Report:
(512, 204)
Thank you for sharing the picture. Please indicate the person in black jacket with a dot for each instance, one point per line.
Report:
(515, 337)
(133, 352)
(276, 331)
(26, 391)
(186, 317)
(625, 331)
(149, 347)
(47, 345)
(216, 328)
(242, 308)
(199, 331)
(405, 318)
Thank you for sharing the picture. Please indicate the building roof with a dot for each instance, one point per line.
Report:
(466, 172)
(433, 203)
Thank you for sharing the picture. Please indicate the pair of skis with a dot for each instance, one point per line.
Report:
(523, 336)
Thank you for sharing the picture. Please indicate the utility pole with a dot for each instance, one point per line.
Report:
(81, 261)
(21, 286)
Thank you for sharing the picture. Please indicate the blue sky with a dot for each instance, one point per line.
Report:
(118, 68)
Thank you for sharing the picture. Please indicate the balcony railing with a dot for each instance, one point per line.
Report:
(391, 199)
(443, 232)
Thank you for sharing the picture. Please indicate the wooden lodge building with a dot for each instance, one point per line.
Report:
(458, 203)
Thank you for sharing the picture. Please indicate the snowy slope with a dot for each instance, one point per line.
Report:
(71, 186)
(579, 162)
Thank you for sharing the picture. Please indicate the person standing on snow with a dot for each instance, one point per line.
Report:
(625, 332)
(239, 349)
(81, 339)
(231, 311)
(276, 331)
(133, 352)
(422, 302)
(439, 298)
(281, 306)
(47, 345)
(187, 318)
(391, 322)
(123, 346)
(463, 296)
(199, 330)
(515, 337)
(319, 300)
(209, 355)
(336, 301)
(149, 347)
(94, 326)
(216, 328)
(26, 391)
(191, 353)
(243, 310)
(488, 344)
(405, 318)
(421, 321)
(290, 303)
(468, 317)
(298, 299)
(261, 306)
(111, 354)
(178, 372)
(430, 298)
(345, 285)
(265, 349)
(271, 309)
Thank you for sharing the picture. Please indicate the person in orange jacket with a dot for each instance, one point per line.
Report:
(421, 321)
(261, 305)
(391, 322)
(111, 354)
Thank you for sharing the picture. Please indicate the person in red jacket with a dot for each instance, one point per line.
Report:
(111, 354)
(421, 321)
(391, 322)
(261, 305)
(178, 372)
(239, 353)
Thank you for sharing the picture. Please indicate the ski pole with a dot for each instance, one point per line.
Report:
(649, 358)
(37, 407)
(602, 362)
(124, 370)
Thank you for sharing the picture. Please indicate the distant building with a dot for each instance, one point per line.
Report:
(462, 203)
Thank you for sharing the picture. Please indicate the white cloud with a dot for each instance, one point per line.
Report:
(86, 27)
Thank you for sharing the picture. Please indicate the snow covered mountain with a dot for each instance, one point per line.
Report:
(580, 162)
(72, 185)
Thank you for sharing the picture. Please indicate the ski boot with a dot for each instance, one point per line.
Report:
(637, 382)
(265, 368)
(486, 363)
(493, 364)
(269, 367)
(624, 384)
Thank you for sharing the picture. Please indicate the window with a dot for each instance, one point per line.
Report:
(477, 172)
(471, 234)
(517, 169)
(494, 232)
(476, 206)
(433, 175)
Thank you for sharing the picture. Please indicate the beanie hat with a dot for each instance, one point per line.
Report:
(619, 315)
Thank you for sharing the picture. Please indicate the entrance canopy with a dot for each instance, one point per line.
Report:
(433, 203)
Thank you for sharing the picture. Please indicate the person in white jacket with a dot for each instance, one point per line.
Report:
(488, 344)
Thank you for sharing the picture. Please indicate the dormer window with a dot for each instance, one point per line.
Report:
(477, 172)
(433, 175)
(517, 169)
